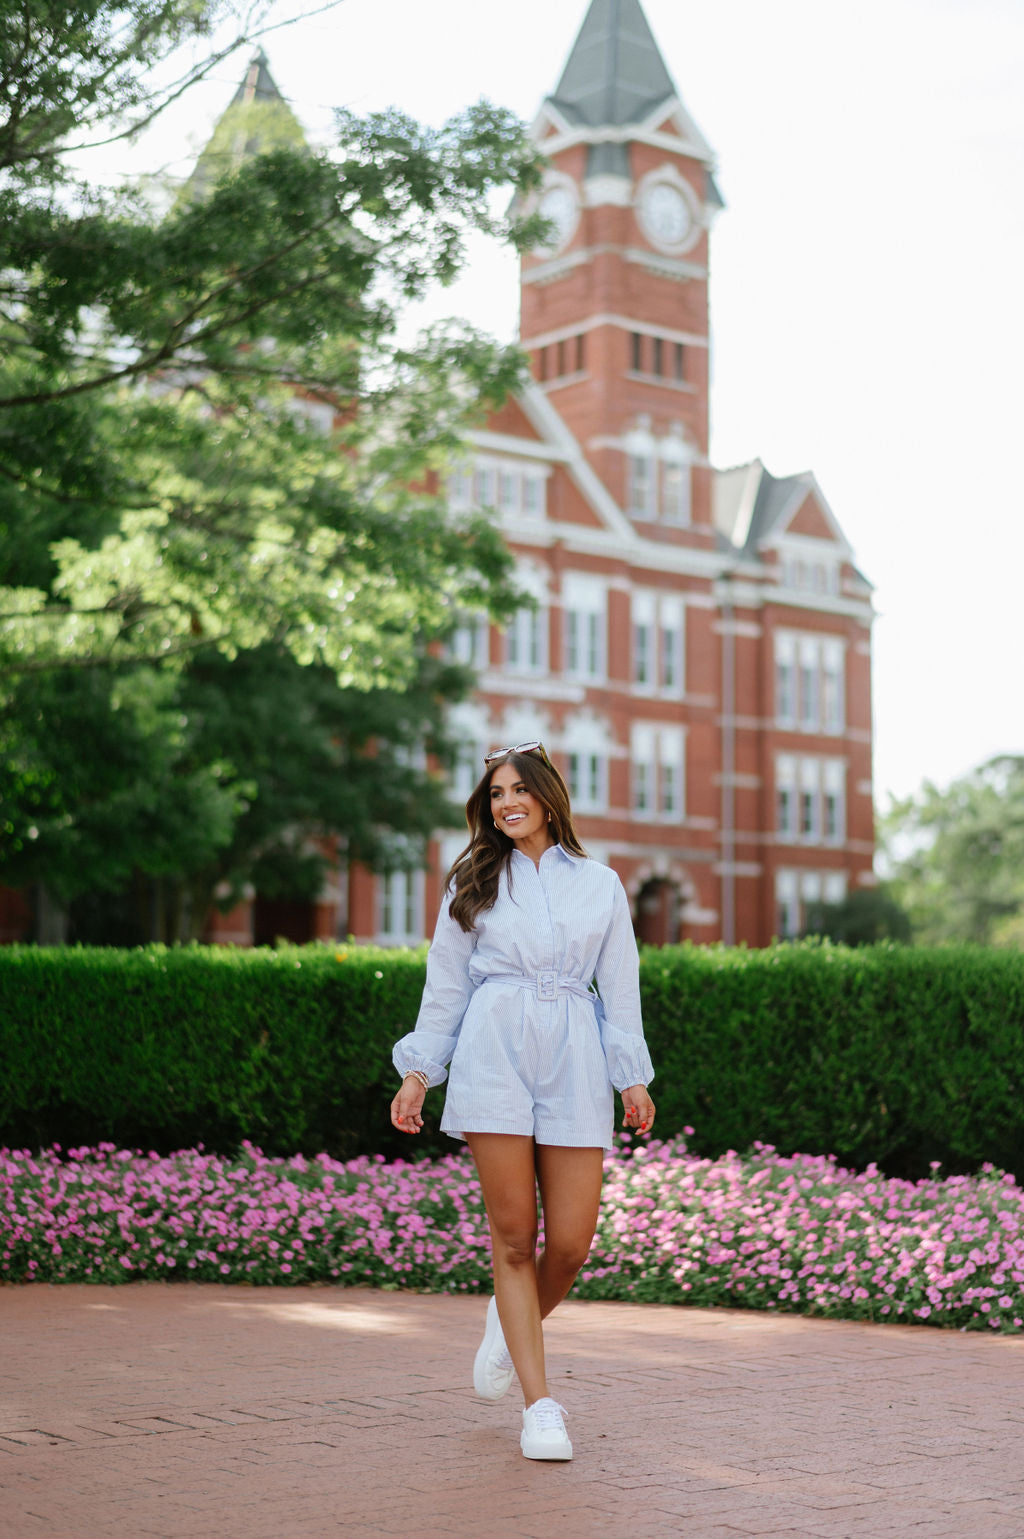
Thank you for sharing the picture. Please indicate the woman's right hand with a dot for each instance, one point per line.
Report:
(407, 1107)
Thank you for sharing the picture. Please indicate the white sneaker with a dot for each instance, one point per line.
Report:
(544, 1435)
(492, 1368)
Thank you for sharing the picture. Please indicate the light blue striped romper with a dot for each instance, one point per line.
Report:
(509, 1005)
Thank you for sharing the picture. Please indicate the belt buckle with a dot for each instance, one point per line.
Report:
(547, 985)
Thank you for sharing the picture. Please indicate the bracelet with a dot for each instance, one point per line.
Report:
(418, 1074)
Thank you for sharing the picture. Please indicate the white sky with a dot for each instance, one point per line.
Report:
(867, 319)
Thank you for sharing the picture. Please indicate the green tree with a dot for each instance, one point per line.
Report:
(957, 855)
(207, 508)
(868, 915)
(133, 802)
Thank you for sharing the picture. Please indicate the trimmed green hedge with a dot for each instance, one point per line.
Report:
(901, 1056)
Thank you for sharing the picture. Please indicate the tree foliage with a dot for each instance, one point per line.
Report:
(225, 564)
(864, 917)
(159, 376)
(957, 855)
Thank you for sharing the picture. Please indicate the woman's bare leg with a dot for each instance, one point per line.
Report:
(508, 1176)
(570, 1193)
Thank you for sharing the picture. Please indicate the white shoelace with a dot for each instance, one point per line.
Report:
(548, 1415)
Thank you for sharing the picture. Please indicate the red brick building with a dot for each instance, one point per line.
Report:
(700, 662)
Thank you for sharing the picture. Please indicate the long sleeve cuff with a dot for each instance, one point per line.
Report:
(406, 1057)
(627, 1058)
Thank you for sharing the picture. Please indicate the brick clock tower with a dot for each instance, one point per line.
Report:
(698, 663)
(615, 309)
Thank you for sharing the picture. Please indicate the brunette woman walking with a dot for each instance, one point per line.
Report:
(527, 924)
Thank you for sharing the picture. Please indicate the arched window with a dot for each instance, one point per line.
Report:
(676, 478)
(642, 472)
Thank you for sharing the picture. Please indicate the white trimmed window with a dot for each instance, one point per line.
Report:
(785, 680)
(588, 780)
(526, 641)
(676, 480)
(400, 908)
(534, 490)
(470, 643)
(585, 609)
(797, 892)
(644, 614)
(460, 490)
(808, 682)
(514, 488)
(833, 691)
(671, 654)
(657, 756)
(810, 693)
(833, 801)
(509, 490)
(642, 482)
(810, 576)
(485, 486)
(642, 471)
(658, 633)
(785, 795)
(810, 799)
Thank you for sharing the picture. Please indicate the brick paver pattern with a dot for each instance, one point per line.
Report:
(173, 1411)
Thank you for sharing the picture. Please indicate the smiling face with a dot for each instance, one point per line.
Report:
(515, 809)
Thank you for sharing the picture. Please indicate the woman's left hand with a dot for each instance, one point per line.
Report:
(639, 1109)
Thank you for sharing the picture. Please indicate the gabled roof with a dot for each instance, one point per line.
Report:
(615, 74)
(753, 508)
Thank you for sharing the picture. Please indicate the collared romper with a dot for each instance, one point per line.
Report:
(533, 1050)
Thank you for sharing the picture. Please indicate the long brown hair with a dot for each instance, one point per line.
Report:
(476, 873)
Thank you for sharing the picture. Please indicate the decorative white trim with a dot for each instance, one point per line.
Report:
(665, 266)
(610, 318)
(557, 267)
(607, 191)
(738, 868)
(560, 381)
(522, 448)
(867, 879)
(660, 867)
(738, 628)
(536, 686)
(864, 788)
(689, 141)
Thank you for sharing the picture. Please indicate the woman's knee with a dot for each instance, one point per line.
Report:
(515, 1247)
(567, 1255)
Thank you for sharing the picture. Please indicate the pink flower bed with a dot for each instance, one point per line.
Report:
(758, 1231)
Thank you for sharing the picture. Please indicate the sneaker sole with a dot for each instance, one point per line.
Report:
(562, 1452)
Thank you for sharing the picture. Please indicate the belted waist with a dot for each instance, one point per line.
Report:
(546, 985)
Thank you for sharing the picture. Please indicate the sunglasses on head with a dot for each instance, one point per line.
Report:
(536, 746)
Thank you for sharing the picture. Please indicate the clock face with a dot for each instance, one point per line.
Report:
(558, 206)
(666, 214)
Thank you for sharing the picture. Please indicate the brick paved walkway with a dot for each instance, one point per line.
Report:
(231, 1413)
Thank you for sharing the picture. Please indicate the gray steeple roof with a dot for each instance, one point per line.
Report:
(258, 84)
(615, 74)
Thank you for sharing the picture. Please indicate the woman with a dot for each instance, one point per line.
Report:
(526, 923)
